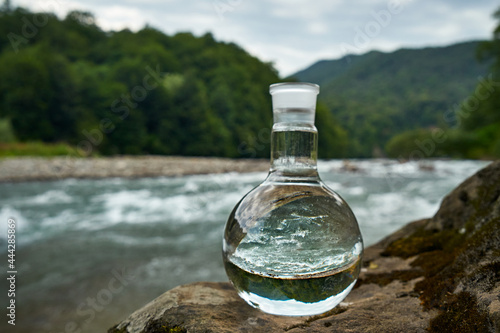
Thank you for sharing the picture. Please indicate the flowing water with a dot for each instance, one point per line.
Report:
(89, 252)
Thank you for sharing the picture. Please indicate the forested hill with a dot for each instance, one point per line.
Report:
(377, 95)
(123, 92)
(65, 80)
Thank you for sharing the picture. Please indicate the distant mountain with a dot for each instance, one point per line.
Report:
(377, 95)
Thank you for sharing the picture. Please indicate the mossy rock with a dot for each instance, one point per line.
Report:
(458, 253)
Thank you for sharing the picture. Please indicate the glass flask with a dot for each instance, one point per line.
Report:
(292, 246)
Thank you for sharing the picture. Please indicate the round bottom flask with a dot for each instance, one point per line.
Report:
(292, 246)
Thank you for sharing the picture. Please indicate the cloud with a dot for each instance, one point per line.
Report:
(295, 33)
(118, 17)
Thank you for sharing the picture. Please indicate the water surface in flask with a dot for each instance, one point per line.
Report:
(300, 258)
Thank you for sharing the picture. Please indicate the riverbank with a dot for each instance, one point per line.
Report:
(38, 168)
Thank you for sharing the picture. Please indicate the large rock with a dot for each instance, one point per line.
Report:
(440, 275)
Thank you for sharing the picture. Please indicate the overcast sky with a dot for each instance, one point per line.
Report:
(294, 34)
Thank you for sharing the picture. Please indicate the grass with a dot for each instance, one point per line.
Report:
(16, 149)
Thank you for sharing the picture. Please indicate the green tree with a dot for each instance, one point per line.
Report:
(332, 139)
(6, 131)
(37, 92)
(478, 115)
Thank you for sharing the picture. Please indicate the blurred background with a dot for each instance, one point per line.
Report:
(410, 94)
(112, 77)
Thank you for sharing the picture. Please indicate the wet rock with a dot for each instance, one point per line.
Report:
(349, 166)
(440, 275)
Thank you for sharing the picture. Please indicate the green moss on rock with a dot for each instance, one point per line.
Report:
(458, 253)
(460, 314)
(159, 326)
(423, 240)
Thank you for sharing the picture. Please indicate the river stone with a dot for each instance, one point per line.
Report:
(440, 275)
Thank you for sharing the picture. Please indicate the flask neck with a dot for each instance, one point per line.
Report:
(294, 138)
(294, 151)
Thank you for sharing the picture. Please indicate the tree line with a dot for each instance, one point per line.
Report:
(65, 80)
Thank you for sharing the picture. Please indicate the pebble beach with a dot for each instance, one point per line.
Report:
(37, 168)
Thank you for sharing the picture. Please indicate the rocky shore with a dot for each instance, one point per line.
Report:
(440, 274)
(38, 168)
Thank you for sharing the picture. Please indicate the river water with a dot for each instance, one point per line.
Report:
(89, 252)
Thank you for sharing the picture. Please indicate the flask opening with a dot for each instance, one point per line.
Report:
(297, 95)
